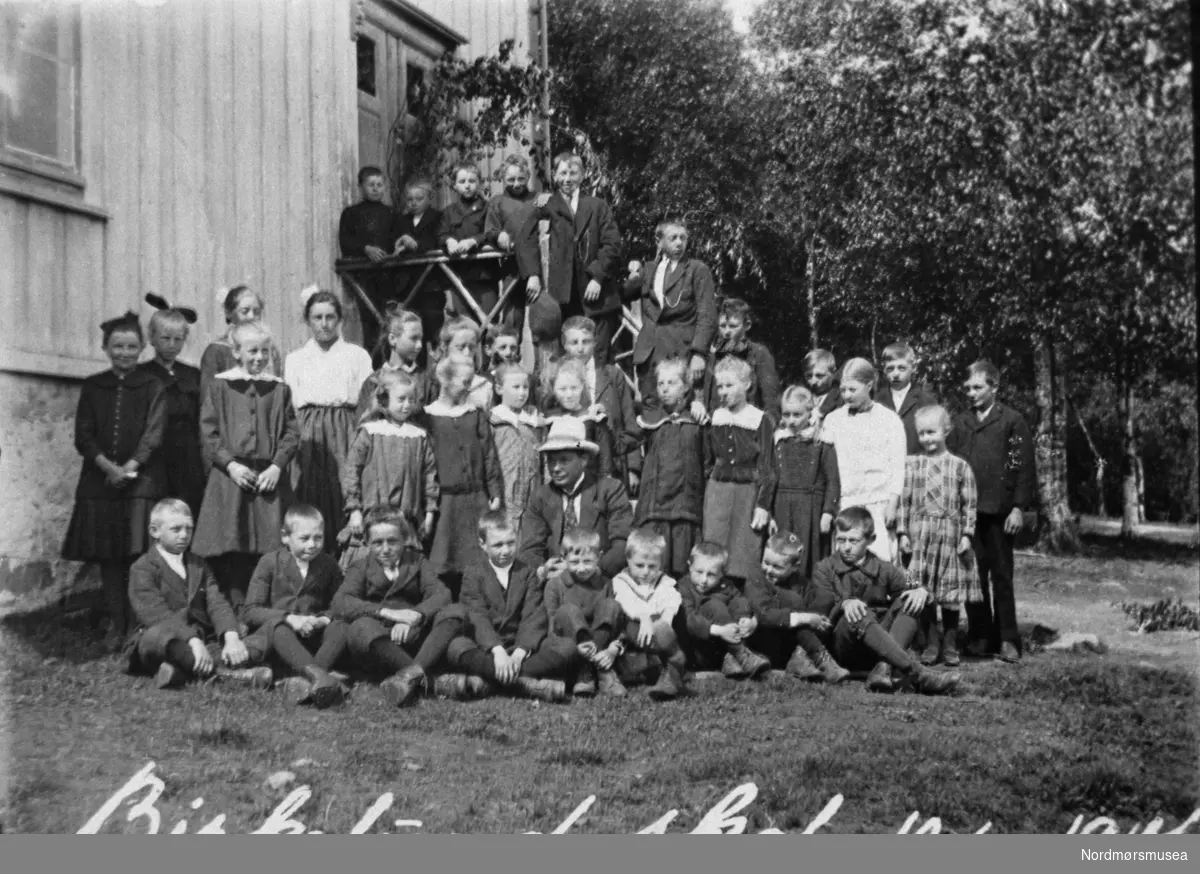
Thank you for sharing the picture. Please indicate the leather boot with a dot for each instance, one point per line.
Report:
(801, 666)
(326, 690)
(831, 671)
(880, 679)
(402, 687)
(753, 664)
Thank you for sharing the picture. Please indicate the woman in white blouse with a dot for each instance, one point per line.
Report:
(325, 375)
(871, 448)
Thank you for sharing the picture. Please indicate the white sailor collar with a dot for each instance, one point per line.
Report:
(239, 373)
(445, 410)
(387, 428)
(748, 417)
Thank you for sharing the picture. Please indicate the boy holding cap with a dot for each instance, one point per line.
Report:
(574, 498)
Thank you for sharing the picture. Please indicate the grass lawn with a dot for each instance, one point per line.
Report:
(1027, 748)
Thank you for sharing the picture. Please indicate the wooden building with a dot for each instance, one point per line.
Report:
(177, 146)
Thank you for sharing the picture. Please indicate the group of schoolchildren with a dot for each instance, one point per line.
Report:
(449, 523)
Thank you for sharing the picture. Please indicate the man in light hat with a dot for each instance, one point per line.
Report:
(574, 498)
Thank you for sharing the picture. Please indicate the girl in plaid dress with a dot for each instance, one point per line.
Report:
(936, 521)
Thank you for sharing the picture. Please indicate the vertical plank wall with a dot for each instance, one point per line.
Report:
(220, 137)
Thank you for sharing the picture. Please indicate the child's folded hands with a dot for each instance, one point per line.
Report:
(645, 634)
(201, 656)
(234, 653)
(605, 658)
(268, 479)
(729, 633)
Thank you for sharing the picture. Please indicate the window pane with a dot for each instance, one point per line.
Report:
(31, 26)
(366, 65)
(33, 122)
(37, 76)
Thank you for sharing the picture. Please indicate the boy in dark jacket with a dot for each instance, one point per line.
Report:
(901, 395)
(718, 617)
(820, 373)
(399, 611)
(791, 620)
(733, 324)
(289, 598)
(179, 607)
(872, 610)
(679, 309)
(461, 232)
(996, 442)
(368, 228)
(505, 641)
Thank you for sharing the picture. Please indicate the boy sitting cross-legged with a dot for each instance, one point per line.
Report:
(504, 642)
(792, 626)
(719, 618)
(289, 598)
(584, 615)
(179, 605)
(399, 610)
(650, 601)
(873, 610)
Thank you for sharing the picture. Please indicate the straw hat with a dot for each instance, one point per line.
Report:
(567, 432)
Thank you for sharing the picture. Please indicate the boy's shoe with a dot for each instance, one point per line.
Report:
(610, 684)
(257, 678)
(831, 671)
(880, 679)
(402, 687)
(801, 666)
(585, 683)
(326, 691)
(950, 657)
(296, 691)
(731, 667)
(934, 682)
(342, 678)
(452, 686)
(478, 687)
(753, 664)
(931, 654)
(1009, 652)
(169, 676)
(554, 691)
(668, 685)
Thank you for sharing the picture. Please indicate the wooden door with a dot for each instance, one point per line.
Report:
(394, 61)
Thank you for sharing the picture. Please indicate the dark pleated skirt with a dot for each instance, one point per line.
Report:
(455, 543)
(232, 520)
(325, 437)
(728, 511)
(797, 511)
(106, 529)
(680, 537)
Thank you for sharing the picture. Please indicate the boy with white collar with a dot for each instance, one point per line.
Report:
(504, 644)
(179, 606)
(649, 600)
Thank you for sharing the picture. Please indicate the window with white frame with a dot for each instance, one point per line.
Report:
(39, 87)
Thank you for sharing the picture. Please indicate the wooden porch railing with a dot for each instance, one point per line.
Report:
(425, 264)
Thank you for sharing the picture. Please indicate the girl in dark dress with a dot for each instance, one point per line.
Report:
(671, 498)
(118, 431)
(250, 435)
(468, 468)
(182, 458)
(806, 499)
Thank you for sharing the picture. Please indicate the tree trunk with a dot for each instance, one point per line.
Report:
(1060, 532)
(813, 337)
(1101, 466)
(1130, 465)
